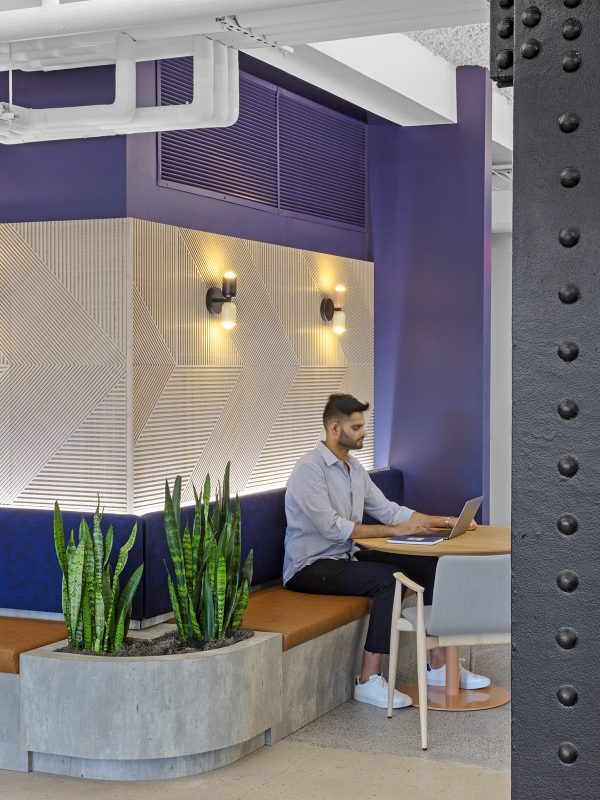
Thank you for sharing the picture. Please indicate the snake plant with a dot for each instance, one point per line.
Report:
(96, 611)
(209, 588)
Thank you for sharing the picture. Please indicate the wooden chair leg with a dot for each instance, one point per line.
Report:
(422, 670)
(394, 643)
(394, 646)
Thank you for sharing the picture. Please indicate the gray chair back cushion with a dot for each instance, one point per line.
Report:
(471, 595)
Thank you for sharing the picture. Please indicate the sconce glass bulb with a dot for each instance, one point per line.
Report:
(228, 316)
(339, 297)
(230, 275)
(338, 323)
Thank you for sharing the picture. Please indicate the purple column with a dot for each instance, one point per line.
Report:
(430, 191)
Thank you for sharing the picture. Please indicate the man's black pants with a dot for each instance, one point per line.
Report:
(372, 575)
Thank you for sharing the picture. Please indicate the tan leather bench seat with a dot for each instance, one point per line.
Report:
(18, 634)
(301, 617)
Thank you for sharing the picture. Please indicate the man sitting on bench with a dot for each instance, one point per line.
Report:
(327, 494)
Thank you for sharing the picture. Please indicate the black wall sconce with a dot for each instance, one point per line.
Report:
(332, 310)
(220, 301)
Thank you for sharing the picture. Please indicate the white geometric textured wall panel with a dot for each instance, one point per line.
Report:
(63, 344)
(114, 376)
(253, 395)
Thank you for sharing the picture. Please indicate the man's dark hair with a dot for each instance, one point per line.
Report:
(342, 405)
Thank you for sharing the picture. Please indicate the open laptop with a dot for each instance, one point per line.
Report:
(462, 526)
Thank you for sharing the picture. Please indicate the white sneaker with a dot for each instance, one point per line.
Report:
(467, 680)
(375, 692)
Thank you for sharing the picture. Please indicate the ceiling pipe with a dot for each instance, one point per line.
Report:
(96, 15)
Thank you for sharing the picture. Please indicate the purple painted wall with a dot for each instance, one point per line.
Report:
(147, 200)
(430, 192)
(72, 179)
(116, 176)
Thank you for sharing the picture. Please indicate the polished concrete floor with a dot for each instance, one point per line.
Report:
(353, 751)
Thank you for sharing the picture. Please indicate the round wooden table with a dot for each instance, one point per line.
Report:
(485, 540)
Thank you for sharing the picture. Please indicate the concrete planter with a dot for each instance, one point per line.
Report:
(148, 717)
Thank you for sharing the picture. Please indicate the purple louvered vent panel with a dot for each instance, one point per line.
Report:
(322, 157)
(240, 161)
(322, 153)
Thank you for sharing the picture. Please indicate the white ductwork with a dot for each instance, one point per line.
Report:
(30, 122)
(215, 102)
(216, 95)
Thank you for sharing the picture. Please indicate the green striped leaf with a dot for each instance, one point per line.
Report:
(208, 610)
(86, 615)
(108, 543)
(124, 605)
(75, 583)
(205, 506)
(173, 535)
(183, 633)
(98, 549)
(240, 606)
(186, 546)
(194, 622)
(231, 603)
(221, 586)
(177, 499)
(226, 504)
(59, 539)
(248, 568)
(124, 552)
(196, 540)
(65, 608)
(89, 577)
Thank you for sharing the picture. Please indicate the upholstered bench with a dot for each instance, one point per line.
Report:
(17, 635)
(301, 617)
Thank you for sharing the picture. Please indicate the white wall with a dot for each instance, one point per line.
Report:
(501, 380)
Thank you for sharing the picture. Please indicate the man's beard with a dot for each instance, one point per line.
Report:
(345, 441)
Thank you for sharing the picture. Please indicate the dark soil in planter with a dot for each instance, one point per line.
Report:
(165, 645)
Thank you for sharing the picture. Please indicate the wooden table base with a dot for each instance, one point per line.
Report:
(465, 700)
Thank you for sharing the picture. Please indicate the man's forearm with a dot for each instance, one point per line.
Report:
(373, 531)
(417, 522)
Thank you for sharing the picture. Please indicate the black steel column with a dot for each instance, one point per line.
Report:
(556, 397)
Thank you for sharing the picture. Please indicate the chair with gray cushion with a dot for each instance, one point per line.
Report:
(471, 605)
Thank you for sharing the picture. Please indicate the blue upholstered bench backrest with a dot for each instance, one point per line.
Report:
(263, 530)
(30, 578)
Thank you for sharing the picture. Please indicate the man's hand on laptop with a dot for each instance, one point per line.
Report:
(431, 522)
(453, 520)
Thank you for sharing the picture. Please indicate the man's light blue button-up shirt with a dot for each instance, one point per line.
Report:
(323, 502)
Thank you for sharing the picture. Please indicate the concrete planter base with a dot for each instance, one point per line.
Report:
(148, 717)
(143, 769)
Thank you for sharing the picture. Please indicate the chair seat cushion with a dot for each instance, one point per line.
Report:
(301, 617)
(18, 634)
